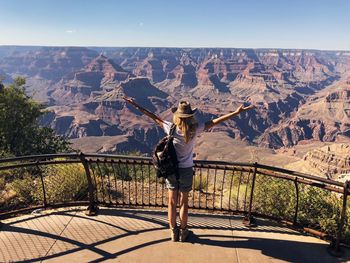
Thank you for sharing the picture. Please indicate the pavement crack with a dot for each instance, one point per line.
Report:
(65, 226)
(233, 237)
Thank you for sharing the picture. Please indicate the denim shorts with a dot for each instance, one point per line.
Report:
(184, 184)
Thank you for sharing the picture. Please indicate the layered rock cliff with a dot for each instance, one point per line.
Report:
(298, 94)
(331, 161)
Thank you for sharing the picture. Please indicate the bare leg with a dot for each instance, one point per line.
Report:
(173, 197)
(183, 209)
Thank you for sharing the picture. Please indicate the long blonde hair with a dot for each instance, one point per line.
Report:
(187, 126)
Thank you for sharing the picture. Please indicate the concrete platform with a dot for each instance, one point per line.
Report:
(125, 235)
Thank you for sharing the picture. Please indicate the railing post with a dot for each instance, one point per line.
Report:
(92, 208)
(42, 183)
(297, 203)
(249, 220)
(335, 246)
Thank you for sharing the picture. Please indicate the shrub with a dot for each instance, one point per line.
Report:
(26, 190)
(199, 182)
(62, 183)
(20, 132)
(274, 197)
(120, 171)
(318, 208)
(240, 185)
(65, 183)
(2, 183)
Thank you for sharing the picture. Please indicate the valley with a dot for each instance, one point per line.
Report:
(301, 99)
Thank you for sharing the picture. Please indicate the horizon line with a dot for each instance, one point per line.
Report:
(175, 47)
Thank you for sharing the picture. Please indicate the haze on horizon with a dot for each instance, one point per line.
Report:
(299, 24)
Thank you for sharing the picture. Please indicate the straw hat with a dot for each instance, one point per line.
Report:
(184, 110)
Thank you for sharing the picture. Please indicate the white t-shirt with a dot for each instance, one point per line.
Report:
(184, 151)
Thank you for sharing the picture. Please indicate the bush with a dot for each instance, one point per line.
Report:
(20, 132)
(274, 197)
(26, 190)
(318, 208)
(62, 183)
(240, 185)
(2, 183)
(199, 183)
(65, 183)
(120, 171)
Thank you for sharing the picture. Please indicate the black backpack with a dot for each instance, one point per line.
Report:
(164, 156)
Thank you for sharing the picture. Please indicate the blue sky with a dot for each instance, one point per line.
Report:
(321, 24)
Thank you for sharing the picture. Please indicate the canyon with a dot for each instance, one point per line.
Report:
(301, 98)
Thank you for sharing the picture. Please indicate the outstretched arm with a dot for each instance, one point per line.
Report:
(223, 118)
(154, 117)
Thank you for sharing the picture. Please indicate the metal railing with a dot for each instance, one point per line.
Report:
(312, 203)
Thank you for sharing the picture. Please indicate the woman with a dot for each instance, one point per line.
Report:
(187, 128)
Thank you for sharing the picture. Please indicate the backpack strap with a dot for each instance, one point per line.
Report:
(171, 137)
(172, 130)
(171, 134)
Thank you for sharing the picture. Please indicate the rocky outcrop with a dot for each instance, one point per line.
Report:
(339, 96)
(121, 144)
(186, 75)
(100, 72)
(50, 63)
(70, 127)
(5, 78)
(331, 160)
(322, 117)
(158, 64)
(109, 115)
(299, 95)
(291, 133)
(112, 73)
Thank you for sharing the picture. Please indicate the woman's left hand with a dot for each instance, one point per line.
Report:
(128, 99)
(241, 108)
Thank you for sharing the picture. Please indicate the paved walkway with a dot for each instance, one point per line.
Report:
(121, 235)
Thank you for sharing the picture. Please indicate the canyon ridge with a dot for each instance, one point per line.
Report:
(301, 118)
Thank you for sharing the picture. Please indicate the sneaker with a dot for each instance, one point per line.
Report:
(174, 234)
(183, 234)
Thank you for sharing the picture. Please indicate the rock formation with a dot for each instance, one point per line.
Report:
(331, 160)
(299, 95)
(99, 73)
(50, 63)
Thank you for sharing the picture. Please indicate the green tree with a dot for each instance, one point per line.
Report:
(20, 133)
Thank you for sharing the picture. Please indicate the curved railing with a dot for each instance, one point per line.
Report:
(312, 203)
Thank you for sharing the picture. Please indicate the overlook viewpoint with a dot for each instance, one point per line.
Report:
(93, 208)
(175, 131)
(301, 99)
(124, 235)
(271, 184)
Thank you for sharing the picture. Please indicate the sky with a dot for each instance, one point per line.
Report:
(302, 24)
